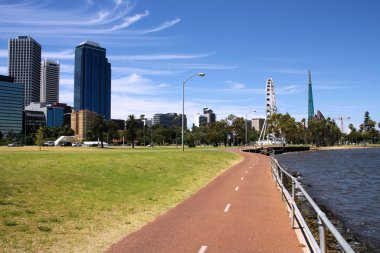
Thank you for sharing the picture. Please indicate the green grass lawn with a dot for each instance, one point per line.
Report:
(84, 199)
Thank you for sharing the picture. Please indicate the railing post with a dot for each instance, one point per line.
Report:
(293, 201)
(282, 185)
(322, 236)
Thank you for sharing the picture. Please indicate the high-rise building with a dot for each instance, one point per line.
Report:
(211, 117)
(168, 119)
(207, 117)
(11, 105)
(258, 124)
(92, 79)
(49, 89)
(53, 114)
(81, 123)
(24, 64)
(310, 112)
(199, 120)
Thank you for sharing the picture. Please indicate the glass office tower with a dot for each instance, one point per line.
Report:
(92, 79)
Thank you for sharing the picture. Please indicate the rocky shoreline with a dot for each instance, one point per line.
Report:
(310, 217)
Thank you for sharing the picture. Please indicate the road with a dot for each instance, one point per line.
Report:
(240, 211)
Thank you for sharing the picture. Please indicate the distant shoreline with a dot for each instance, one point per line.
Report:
(344, 147)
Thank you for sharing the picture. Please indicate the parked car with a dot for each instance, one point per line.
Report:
(15, 144)
(66, 144)
(77, 144)
(48, 144)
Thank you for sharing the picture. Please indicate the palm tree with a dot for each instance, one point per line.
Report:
(99, 127)
(131, 125)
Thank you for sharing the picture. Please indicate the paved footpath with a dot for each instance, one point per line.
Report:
(240, 211)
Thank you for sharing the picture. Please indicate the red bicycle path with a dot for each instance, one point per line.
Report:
(239, 211)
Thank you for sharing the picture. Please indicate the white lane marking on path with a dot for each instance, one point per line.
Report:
(242, 178)
(202, 249)
(227, 208)
(237, 188)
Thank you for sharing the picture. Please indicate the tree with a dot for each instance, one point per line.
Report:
(1, 135)
(40, 137)
(99, 127)
(11, 136)
(131, 126)
(367, 129)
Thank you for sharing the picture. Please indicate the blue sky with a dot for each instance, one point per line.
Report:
(154, 45)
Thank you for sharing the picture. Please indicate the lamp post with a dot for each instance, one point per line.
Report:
(183, 102)
(246, 131)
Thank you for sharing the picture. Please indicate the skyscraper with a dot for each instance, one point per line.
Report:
(24, 64)
(310, 113)
(49, 92)
(11, 107)
(92, 79)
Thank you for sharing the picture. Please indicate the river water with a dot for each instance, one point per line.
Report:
(347, 182)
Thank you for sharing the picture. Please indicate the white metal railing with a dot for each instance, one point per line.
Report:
(324, 223)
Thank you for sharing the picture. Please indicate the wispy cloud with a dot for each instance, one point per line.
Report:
(129, 21)
(155, 57)
(287, 90)
(235, 85)
(288, 71)
(44, 20)
(319, 87)
(65, 54)
(190, 66)
(141, 71)
(161, 27)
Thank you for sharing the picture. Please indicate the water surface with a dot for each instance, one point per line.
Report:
(347, 182)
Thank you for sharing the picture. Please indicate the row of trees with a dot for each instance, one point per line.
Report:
(229, 131)
(319, 132)
(215, 134)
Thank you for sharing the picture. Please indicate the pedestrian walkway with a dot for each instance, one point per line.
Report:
(240, 211)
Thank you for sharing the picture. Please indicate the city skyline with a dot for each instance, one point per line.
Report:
(239, 46)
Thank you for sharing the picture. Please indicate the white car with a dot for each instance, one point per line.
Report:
(77, 144)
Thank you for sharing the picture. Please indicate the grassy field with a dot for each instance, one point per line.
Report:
(84, 199)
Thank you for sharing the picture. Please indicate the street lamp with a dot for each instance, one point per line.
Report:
(246, 131)
(183, 102)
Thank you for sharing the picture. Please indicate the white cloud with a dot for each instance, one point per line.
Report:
(136, 84)
(3, 53)
(164, 85)
(66, 68)
(66, 82)
(122, 106)
(3, 70)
